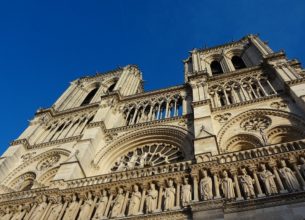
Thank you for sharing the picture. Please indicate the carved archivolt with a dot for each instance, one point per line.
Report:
(258, 123)
(48, 162)
(242, 142)
(171, 135)
(283, 133)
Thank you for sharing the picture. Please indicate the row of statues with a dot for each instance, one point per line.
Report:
(170, 195)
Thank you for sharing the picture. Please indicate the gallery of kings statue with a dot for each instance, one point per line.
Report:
(229, 143)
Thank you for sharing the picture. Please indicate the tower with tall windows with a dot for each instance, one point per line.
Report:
(228, 143)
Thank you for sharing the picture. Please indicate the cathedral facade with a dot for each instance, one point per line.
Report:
(229, 143)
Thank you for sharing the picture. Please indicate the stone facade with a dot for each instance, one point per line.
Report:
(227, 144)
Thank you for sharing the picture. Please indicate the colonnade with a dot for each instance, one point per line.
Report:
(162, 108)
(247, 89)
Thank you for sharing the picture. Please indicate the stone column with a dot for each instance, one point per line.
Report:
(160, 185)
(260, 193)
(111, 192)
(237, 188)
(216, 184)
(125, 201)
(195, 187)
(167, 108)
(61, 214)
(144, 189)
(270, 85)
(178, 194)
(272, 164)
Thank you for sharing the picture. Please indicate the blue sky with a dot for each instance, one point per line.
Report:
(46, 44)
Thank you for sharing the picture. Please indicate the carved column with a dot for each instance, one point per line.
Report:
(195, 187)
(144, 189)
(261, 86)
(216, 184)
(237, 188)
(160, 185)
(61, 214)
(260, 193)
(178, 194)
(293, 161)
(272, 164)
(134, 116)
(109, 202)
(125, 201)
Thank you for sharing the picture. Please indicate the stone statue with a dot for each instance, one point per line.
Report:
(264, 137)
(151, 199)
(227, 186)
(86, 208)
(247, 184)
(135, 200)
(121, 164)
(302, 167)
(206, 184)
(289, 177)
(268, 179)
(40, 209)
(8, 214)
(72, 208)
(20, 213)
(101, 207)
(56, 209)
(142, 160)
(186, 193)
(169, 195)
(118, 204)
(132, 160)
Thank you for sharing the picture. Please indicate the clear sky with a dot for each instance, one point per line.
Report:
(46, 44)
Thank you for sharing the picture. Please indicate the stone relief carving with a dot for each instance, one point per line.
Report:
(256, 123)
(101, 206)
(149, 155)
(27, 156)
(279, 105)
(223, 117)
(48, 162)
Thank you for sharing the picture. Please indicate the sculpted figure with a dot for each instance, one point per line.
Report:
(169, 195)
(56, 209)
(118, 204)
(142, 160)
(151, 199)
(186, 192)
(302, 167)
(132, 160)
(247, 184)
(19, 214)
(206, 186)
(121, 164)
(268, 178)
(289, 177)
(264, 137)
(8, 214)
(227, 186)
(86, 208)
(72, 208)
(135, 200)
(40, 209)
(101, 207)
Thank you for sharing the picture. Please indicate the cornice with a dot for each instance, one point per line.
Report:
(296, 82)
(275, 56)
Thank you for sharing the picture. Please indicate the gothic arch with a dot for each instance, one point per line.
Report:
(28, 166)
(284, 133)
(243, 142)
(280, 118)
(171, 135)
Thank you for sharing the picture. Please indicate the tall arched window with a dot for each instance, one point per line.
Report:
(238, 63)
(89, 97)
(216, 67)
